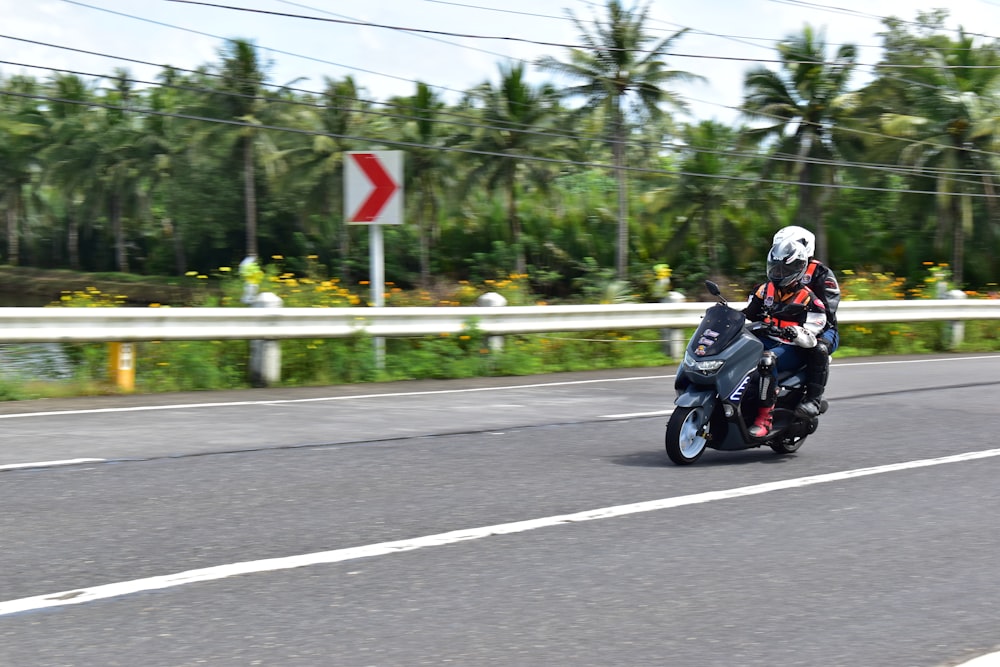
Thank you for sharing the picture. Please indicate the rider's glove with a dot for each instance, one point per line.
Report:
(789, 333)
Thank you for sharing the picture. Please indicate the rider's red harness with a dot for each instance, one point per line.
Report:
(802, 296)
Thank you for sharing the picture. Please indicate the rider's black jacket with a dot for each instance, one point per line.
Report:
(820, 279)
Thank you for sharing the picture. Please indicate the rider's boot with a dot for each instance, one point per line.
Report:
(811, 405)
(817, 374)
(762, 424)
(767, 391)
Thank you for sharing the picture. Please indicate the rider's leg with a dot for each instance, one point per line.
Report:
(767, 393)
(817, 374)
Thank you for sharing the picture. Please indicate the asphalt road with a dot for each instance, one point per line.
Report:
(745, 558)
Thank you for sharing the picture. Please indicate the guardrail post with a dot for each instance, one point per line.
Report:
(675, 341)
(495, 343)
(265, 355)
(121, 364)
(957, 326)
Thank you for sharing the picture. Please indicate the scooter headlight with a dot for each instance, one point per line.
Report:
(703, 366)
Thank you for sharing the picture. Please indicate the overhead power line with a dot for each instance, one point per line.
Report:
(472, 122)
(523, 40)
(464, 121)
(382, 141)
(448, 118)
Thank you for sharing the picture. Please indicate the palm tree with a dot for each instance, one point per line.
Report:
(122, 165)
(951, 126)
(800, 107)
(25, 130)
(514, 115)
(316, 161)
(621, 70)
(70, 154)
(241, 98)
(164, 142)
(429, 168)
(709, 205)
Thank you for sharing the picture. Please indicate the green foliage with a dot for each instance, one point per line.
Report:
(208, 365)
(511, 189)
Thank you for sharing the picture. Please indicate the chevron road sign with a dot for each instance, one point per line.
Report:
(373, 191)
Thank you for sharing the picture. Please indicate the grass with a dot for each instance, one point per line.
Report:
(170, 366)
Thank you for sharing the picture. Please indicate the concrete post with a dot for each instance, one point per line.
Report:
(265, 355)
(251, 274)
(957, 326)
(675, 341)
(493, 299)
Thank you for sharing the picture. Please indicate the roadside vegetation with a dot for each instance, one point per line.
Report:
(165, 366)
(581, 188)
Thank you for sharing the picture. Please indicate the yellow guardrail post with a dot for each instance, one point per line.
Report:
(121, 364)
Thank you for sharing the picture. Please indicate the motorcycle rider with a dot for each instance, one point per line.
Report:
(798, 316)
(821, 280)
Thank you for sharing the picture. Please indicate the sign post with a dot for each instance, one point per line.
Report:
(373, 195)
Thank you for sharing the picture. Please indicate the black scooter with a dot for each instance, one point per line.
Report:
(717, 397)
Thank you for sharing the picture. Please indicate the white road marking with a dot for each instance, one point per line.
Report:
(629, 415)
(122, 588)
(988, 660)
(189, 406)
(48, 464)
(843, 364)
(658, 413)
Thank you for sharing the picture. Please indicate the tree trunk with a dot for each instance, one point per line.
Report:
(991, 221)
(962, 221)
(250, 197)
(520, 263)
(618, 149)
(118, 230)
(425, 243)
(73, 238)
(180, 257)
(13, 237)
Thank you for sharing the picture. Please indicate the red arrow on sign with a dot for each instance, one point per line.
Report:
(380, 194)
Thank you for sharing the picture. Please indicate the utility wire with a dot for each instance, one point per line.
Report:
(480, 124)
(311, 92)
(532, 41)
(544, 133)
(458, 149)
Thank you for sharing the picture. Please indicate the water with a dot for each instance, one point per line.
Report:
(34, 361)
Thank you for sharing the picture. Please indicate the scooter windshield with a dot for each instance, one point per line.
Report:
(720, 326)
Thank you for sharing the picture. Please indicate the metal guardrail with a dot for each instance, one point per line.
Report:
(77, 325)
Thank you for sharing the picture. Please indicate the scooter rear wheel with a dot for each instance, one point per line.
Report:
(788, 445)
(687, 435)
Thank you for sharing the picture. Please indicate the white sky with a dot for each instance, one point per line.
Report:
(387, 62)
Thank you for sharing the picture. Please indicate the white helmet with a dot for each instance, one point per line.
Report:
(786, 263)
(800, 235)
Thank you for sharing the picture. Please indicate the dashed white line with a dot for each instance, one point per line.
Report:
(629, 415)
(118, 589)
(988, 660)
(190, 406)
(48, 464)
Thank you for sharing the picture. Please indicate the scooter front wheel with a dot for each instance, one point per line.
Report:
(687, 435)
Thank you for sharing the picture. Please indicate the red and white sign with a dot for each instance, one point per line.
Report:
(373, 187)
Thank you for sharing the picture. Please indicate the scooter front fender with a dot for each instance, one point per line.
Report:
(695, 398)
